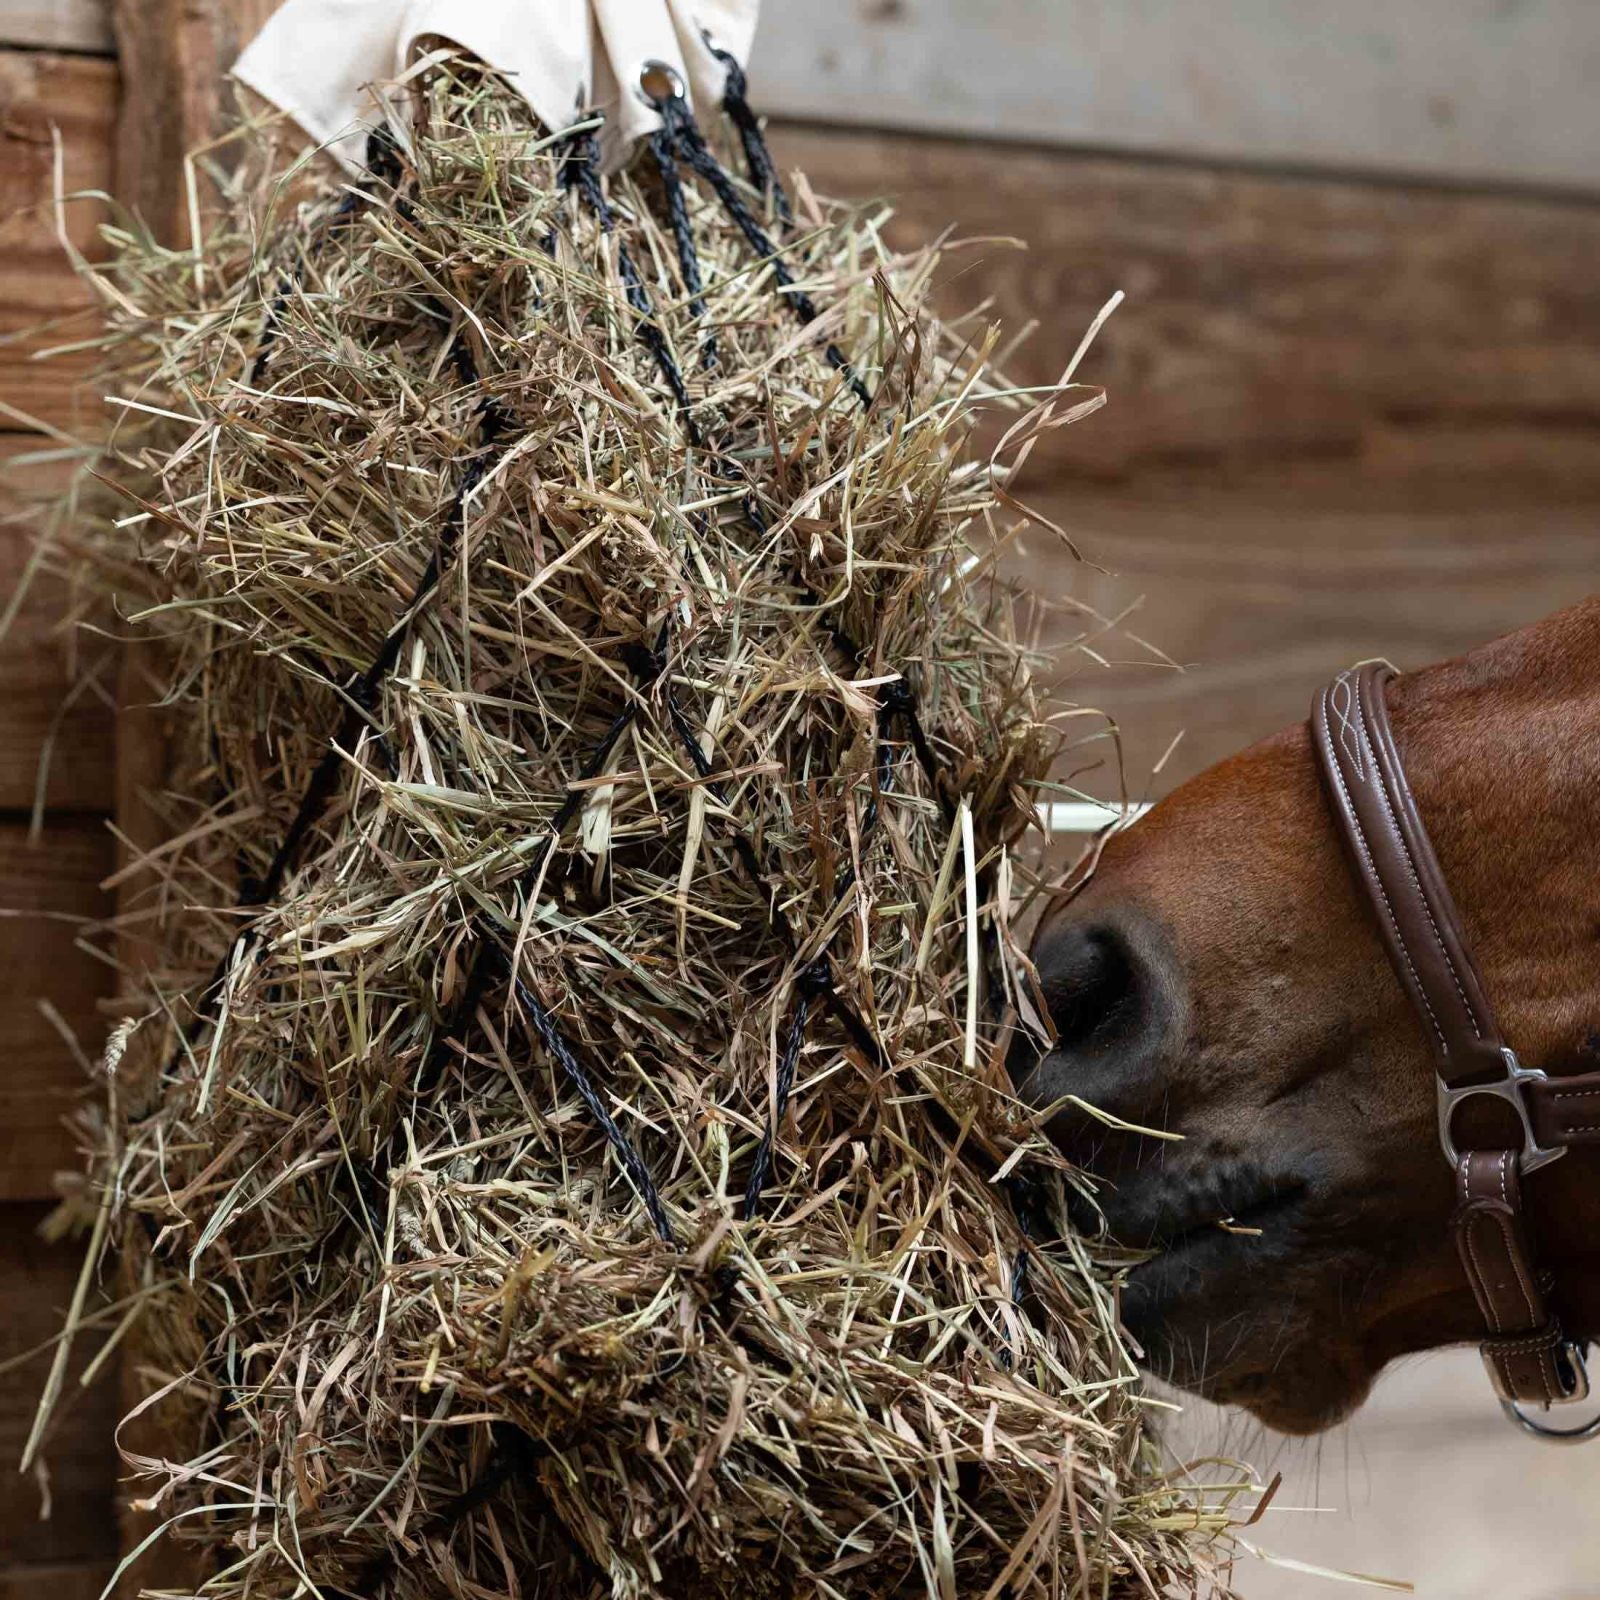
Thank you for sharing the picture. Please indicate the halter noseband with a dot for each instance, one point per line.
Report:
(1531, 1361)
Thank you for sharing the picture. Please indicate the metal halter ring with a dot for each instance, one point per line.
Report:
(1508, 1089)
(1572, 1357)
(1578, 1435)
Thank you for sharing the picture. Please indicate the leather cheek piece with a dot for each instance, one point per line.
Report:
(1524, 1351)
(1489, 1239)
(1394, 864)
(1365, 782)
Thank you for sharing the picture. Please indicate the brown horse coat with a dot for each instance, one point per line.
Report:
(1220, 976)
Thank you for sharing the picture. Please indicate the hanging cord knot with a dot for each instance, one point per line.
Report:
(816, 978)
(645, 662)
(1027, 1198)
(678, 123)
(757, 157)
(899, 699)
(383, 156)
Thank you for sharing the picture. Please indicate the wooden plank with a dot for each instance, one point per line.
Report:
(83, 25)
(56, 722)
(1278, 329)
(1460, 89)
(48, 890)
(77, 1580)
(1344, 419)
(1270, 321)
(174, 56)
(81, 1469)
(42, 303)
(1260, 596)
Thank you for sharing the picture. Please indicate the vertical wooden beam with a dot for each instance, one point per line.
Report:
(175, 57)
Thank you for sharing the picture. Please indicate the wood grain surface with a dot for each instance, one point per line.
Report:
(56, 1557)
(174, 56)
(49, 890)
(48, 880)
(56, 717)
(57, 25)
(42, 304)
(1344, 419)
(1497, 90)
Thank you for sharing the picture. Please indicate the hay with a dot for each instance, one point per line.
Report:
(572, 1152)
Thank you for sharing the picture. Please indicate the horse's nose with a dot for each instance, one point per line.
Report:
(1114, 991)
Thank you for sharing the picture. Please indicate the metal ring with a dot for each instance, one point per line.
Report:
(1509, 1088)
(669, 80)
(1540, 1430)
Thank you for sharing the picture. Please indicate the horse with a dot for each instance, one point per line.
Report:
(1220, 975)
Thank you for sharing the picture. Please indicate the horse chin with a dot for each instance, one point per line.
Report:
(1304, 1391)
(1283, 1360)
(1299, 1397)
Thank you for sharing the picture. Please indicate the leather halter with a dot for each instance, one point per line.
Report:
(1530, 1360)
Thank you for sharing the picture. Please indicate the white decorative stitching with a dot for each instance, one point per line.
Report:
(1348, 738)
(1515, 1257)
(1359, 835)
(1480, 1284)
(1535, 1341)
(1506, 1347)
(1411, 867)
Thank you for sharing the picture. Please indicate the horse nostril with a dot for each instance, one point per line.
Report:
(1091, 985)
(1113, 988)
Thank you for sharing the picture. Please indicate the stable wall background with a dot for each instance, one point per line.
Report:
(1355, 410)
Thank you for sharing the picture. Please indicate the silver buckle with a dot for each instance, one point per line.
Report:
(1571, 1356)
(1509, 1088)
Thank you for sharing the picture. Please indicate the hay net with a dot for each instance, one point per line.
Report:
(563, 1144)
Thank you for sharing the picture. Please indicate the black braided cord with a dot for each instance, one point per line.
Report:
(678, 122)
(363, 693)
(683, 240)
(1022, 1191)
(383, 166)
(757, 157)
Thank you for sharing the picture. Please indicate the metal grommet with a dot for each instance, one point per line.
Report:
(658, 82)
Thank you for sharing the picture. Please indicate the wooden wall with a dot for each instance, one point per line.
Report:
(1486, 91)
(56, 70)
(1349, 416)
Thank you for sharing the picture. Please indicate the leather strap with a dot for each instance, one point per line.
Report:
(1394, 861)
(1528, 1358)
(1565, 1111)
(1525, 1350)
